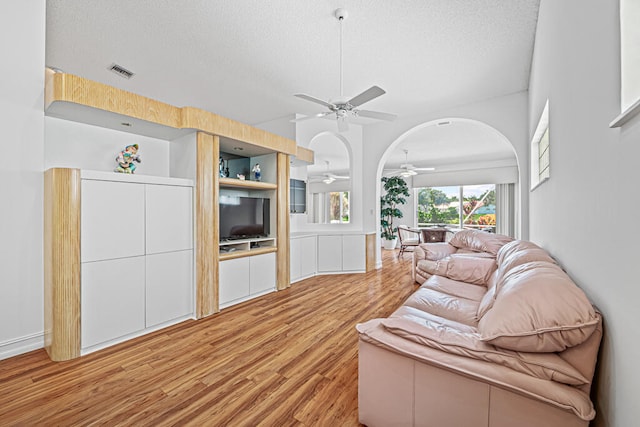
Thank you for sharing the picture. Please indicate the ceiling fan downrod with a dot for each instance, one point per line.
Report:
(341, 14)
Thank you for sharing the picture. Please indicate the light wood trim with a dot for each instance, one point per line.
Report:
(305, 155)
(78, 90)
(195, 118)
(370, 251)
(207, 232)
(62, 263)
(251, 252)
(253, 185)
(62, 87)
(283, 272)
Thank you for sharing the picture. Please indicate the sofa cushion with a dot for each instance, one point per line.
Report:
(435, 251)
(444, 305)
(450, 339)
(509, 256)
(538, 308)
(455, 288)
(479, 241)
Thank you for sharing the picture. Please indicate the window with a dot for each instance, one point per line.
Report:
(540, 170)
(467, 206)
(629, 62)
(297, 196)
(338, 207)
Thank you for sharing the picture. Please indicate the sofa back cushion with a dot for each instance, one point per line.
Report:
(538, 308)
(479, 241)
(468, 268)
(511, 255)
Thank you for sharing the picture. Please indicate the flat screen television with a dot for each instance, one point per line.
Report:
(243, 217)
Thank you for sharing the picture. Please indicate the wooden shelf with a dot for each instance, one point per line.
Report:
(245, 253)
(239, 183)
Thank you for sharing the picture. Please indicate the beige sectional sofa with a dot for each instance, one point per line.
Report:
(497, 335)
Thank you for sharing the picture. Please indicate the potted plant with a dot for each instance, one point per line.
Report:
(395, 192)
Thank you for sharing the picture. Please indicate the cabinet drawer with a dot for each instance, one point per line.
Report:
(168, 286)
(234, 280)
(262, 272)
(168, 218)
(112, 298)
(112, 220)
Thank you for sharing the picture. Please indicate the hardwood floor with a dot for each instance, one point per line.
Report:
(289, 358)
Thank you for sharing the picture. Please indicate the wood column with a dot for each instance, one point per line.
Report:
(283, 279)
(62, 263)
(207, 232)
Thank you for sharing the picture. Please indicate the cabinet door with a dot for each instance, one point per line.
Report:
(233, 280)
(308, 261)
(169, 219)
(353, 253)
(169, 286)
(112, 298)
(112, 220)
(329, 253)
(262, 273)
(295, 258)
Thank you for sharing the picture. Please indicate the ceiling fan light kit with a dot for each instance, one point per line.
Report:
(407, 169)
(343, 106)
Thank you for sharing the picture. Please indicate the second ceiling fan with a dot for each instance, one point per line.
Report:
(343, 106)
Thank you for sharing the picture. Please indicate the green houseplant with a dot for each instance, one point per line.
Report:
(396, 190)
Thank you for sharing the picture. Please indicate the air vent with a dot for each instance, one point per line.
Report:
(122, 72)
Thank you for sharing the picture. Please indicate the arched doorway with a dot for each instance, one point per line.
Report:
(462, 152)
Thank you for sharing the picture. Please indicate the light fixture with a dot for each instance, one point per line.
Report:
(407, 173)
(328, 180)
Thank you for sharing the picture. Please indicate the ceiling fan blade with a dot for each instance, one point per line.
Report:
(314, 116)
(424, 169)
(314, 99)
(366, 96)
(343, 125)
(338, 176)
(376, 115)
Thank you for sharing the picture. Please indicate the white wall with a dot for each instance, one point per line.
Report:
(585, 214)
(77, 145)
(22, 43)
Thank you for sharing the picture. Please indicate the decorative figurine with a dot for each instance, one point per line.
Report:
(221, 168)
(240, 177)
(256, 172)
(126, 159)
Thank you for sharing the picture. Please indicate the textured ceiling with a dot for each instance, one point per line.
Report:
(244, 59)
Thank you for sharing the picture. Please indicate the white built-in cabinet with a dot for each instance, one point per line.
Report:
(136, 255)
(303, 257)
(312, 254)
(341, 253)
(241, 279)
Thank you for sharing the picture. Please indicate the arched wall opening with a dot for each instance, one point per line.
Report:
(449, 145)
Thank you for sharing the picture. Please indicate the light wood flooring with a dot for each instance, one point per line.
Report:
(289, 358)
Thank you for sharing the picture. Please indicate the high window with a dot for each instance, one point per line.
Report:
(540, 149)
(465, 206)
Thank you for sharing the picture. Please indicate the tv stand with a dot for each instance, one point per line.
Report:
(238, 248)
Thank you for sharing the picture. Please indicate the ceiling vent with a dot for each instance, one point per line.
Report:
(121, 71)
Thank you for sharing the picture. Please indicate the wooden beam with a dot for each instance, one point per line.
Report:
(207, 229)
(282, 256)
(62, 263)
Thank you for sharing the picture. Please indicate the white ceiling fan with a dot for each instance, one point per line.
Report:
(327, 177)
(407, 169)
(343, 106)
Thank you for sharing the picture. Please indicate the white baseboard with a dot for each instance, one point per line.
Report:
(21, 345)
